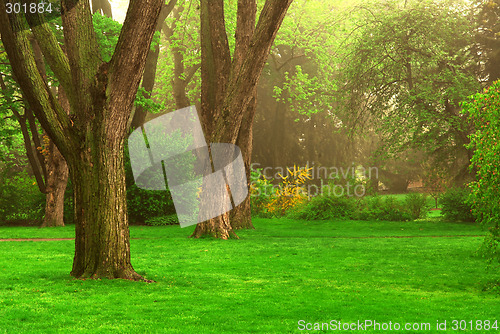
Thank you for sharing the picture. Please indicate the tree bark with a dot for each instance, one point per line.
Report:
(56, 179)
(227, 88)
(241, 216)
(149, 77)
(56, 182)
(91, 139)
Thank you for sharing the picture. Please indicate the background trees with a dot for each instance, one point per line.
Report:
(409, 66)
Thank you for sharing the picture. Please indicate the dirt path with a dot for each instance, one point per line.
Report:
(334, 237)
(37, 239)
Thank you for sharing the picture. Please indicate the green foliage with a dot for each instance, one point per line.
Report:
(407, 67)
(484, 111)
(20, 199)
(162, 220)
(145, 204)
(416, 204)
(107, 32)
(261, 191)
(143, 100)
(389, 208)
(490, 249)
(383, 208)
(142, 204)
(456, 206)
(180, 53)
(324, 208)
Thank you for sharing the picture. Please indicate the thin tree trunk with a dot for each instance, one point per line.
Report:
(241, 216)
(103, 7)
(57, 177)
(57, 180)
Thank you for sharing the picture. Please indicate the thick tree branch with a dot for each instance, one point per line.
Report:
(215, 59)
(131, 51)
(245, 26)
(50, 114)
(237, 99)
(54, 55)
(84, 61)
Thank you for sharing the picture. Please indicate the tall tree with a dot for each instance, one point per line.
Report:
(91, 138)
(408, 67)
(228, 85)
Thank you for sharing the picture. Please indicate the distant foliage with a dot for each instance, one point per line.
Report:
(416, 204)
(145, 204)
(484, 112)
(163, 220)
(383, 208)
(456, 206)
(20, 199)
(324, 208)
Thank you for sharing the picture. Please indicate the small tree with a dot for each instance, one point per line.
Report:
(436, 180)
(484, 111)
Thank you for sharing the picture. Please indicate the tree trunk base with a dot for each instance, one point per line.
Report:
(127, 274)
(218, 227)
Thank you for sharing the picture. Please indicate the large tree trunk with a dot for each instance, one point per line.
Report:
(228, 87)
(102, 247)
(91, 139)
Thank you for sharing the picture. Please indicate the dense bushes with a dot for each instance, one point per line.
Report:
(324, 207)
(20, 199)
(413, 206)
(382, 208)
(261, 191)
(417, 205)
(163, 220)
(455, 205)
(144, 205)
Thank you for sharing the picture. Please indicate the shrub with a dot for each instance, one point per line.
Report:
(324, 207)
(20, 198)
(456, 206)
(261, 191)
(163, 220)
(382, 208)
(290, 193)
(416, 205)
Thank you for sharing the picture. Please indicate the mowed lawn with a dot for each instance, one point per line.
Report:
(274, 276)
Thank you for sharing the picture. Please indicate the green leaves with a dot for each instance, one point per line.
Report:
(484, 111)
(406, 68)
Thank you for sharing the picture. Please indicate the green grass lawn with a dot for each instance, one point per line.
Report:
(274, 276)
